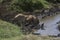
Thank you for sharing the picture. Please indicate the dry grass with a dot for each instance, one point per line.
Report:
(36, 37)
(33, 37)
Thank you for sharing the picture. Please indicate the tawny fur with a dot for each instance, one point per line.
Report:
(30, 19)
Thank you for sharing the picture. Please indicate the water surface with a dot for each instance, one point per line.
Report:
(50, 25)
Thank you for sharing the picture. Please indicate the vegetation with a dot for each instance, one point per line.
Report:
(8, 30)
(28, 5)
(32, 37)
(25, 5)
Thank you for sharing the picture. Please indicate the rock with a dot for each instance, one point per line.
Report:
(36, 33)
(59, 27)
(42, 26)
(58, 35)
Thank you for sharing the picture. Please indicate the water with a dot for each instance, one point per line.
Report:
(49, 25)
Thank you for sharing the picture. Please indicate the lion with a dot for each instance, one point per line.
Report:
(28, 22)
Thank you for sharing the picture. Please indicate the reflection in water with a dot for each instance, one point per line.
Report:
(50, 25)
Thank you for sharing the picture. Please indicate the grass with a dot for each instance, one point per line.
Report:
(13, 38)
(32, 37)
(8, 30)
(29, 5)
(25, 5)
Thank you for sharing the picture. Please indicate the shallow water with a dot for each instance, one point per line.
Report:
(50, 25)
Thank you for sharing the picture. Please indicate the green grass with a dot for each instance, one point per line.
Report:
(25, 5)
(28, 5)
(8, 30)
